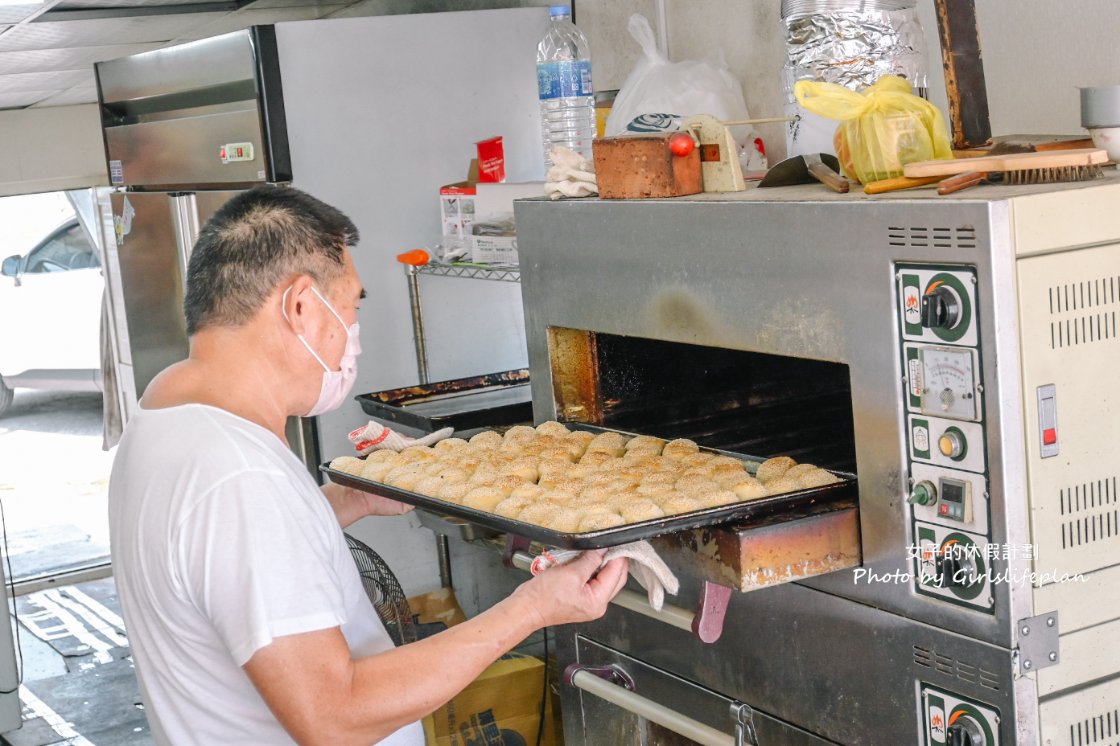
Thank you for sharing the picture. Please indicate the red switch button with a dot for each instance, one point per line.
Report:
(1049, 436)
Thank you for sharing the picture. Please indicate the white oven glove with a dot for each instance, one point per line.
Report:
(377, 437)
(648, 569)
(571, 175)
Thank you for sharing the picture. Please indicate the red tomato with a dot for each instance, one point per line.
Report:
(681, 144)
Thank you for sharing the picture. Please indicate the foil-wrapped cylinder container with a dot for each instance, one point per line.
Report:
(852, 43)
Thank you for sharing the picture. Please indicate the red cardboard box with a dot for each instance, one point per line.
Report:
(491, 161)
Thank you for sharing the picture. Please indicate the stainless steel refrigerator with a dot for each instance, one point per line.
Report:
(151, 236)
(370, 114)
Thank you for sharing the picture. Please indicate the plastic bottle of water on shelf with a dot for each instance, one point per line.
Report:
(564, 82)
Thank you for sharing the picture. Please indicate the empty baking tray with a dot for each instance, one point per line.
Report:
(789, 504)
(464, 403)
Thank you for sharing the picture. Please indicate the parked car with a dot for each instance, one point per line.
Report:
(50, 316)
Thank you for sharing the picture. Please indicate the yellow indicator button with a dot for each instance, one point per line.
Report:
(945, 445)
(951, 445)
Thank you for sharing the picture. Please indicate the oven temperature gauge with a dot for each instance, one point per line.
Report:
(948, 382)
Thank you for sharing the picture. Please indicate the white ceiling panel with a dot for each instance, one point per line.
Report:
(50, 62)
(16, 13)
(327, 7)
(362, 8)
(77, 95)
(46, 81)
(21, 99)
(45, 60)
(86, 4)
(252, 17)
(102, 31)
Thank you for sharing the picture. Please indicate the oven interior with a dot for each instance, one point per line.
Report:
(750, 403)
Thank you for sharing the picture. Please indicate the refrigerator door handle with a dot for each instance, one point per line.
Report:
(184, 222)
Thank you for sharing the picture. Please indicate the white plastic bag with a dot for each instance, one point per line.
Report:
(657, 86)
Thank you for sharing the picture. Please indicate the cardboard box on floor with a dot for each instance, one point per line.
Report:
(499, 708)
(437, 607)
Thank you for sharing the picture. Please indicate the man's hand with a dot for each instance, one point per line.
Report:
(351, 505)
(578, 591)
(379, 504)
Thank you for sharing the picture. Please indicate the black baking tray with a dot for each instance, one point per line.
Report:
(787, 503)
(464, 403)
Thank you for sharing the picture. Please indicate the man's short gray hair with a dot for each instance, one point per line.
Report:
(257, 240)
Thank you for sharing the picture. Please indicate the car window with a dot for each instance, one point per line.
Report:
(65, 251)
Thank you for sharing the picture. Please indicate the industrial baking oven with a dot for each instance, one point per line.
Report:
(958, 354)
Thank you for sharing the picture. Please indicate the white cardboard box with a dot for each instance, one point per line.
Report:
(456, 209)
(496, 200)
(494, 249)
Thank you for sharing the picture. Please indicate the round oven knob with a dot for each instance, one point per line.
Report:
(941, 308)
(923, 493)
(965, 732)
(952, 444)
(954, 568)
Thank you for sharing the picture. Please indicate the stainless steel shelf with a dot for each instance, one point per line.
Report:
(473, 271)
(438, 269)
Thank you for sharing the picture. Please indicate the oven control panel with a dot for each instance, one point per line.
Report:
(950, 720)
(947, 500)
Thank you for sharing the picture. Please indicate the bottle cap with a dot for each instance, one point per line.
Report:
(558, 10)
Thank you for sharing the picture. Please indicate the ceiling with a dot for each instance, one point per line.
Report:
(47, 49)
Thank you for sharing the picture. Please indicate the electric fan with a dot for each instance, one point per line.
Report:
(384, 592)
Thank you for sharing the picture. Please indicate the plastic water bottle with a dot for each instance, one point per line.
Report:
(564, 82)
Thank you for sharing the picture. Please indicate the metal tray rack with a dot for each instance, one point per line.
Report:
(790, 503)
(482, 401)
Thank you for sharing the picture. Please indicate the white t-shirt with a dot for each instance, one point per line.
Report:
(221, 542)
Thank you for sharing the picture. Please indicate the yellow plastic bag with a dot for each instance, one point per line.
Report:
(881, 128)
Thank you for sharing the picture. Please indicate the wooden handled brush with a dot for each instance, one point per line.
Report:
(1020, 168)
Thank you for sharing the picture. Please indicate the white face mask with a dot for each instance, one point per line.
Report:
(336, 383)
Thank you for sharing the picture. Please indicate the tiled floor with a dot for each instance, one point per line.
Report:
(79, 685)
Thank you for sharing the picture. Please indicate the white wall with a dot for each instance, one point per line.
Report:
(390, 141)
(1036, 53)
(50, 149)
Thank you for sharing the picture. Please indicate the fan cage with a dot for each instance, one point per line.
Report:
(384, 592)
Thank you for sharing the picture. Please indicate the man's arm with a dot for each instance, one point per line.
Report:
(350, 505)
(322, 696)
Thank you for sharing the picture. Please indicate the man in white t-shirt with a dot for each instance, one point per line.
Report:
(245, 611)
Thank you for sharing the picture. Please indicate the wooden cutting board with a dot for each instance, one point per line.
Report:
(1011, 162)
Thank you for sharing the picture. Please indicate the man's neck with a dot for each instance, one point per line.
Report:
(231, 369)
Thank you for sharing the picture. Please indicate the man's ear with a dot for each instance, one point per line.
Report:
(294, 300)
